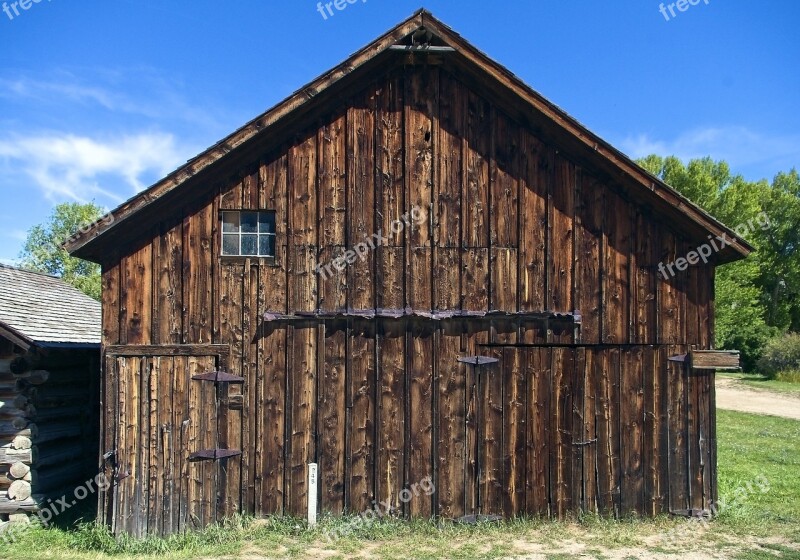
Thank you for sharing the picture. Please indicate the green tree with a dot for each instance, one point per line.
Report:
(43, 251)
(778, 252)
(747, 311)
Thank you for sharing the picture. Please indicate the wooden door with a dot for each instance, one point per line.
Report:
(169, 433)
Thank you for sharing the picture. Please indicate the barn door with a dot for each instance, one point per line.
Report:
(171, 455)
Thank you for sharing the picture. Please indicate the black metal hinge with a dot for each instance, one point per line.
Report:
(218, 377)
(214, 454)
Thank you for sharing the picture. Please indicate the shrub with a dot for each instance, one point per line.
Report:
(781, 357)
(788, 376)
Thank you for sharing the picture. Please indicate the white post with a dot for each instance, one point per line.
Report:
(312, 494)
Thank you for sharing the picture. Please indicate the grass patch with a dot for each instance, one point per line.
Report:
(751, 447)
(781, 384)
(756, 525)
(769, 552)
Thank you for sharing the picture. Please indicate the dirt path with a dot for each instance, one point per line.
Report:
(734, 395)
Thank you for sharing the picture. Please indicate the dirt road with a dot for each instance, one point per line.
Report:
(732, 394)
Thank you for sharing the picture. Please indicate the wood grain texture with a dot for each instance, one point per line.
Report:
(584, 416)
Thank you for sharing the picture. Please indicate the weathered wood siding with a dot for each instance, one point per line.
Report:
(588, 416)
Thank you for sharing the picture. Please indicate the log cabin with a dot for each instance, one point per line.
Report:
(415, 267)
(49, 388)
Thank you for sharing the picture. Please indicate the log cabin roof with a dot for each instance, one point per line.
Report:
(41, 310)
(443, 46)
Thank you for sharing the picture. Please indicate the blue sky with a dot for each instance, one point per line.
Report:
(100, 99)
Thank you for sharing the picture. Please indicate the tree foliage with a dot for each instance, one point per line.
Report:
(757, 298)
(43, 251)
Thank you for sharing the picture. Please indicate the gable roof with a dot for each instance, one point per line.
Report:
(550, 121)
(41, 310)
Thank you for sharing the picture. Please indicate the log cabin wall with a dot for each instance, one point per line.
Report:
(49, 427)
(577, 415)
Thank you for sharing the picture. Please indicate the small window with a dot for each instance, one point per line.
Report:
(248, 234)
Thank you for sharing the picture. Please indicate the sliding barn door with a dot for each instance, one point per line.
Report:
(171, 457)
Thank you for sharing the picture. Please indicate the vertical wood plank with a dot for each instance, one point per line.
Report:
(590, 258)
(646, 257)
(537, 162)
(231, 330)
(302, 401)
(168, 312)
(273, 374)
(562, 230)
(361, 200)
(331, 416)
(515, 430)
(631, 429)
(451, 428)
(181, 425)
(390, 160)
(391, 423)
(332, 182)
(362, 378)
(561, 434)
(678, 463)
(578, 439)
(654, 452)
(590, 450)
(492, 463)
(539, 376)
(607, 376)
(504, 198)
(420, 421)
(138, 296)
(616, 272)
(475, 209)
(449, 187)
(197, 276)
(111, 303)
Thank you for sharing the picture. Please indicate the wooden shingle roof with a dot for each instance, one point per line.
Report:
(40, 310)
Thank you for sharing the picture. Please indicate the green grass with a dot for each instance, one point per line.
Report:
(758, 525)
(769, 552)
(758, 381)
(752, 446)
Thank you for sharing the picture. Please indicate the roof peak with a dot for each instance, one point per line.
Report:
(468, 59)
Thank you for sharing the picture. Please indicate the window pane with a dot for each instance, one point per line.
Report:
(249, 222)
(250, 245)
(230, 222)
(230, 244)
(266, 222)
(266, 245)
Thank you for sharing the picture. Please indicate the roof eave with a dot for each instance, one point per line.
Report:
(77, 244)
(81, 245)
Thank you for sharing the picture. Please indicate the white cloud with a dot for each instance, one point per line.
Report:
(739, 146)
(67, 166)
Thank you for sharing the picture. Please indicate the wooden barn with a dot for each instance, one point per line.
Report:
(49, 387)
(415, 266)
